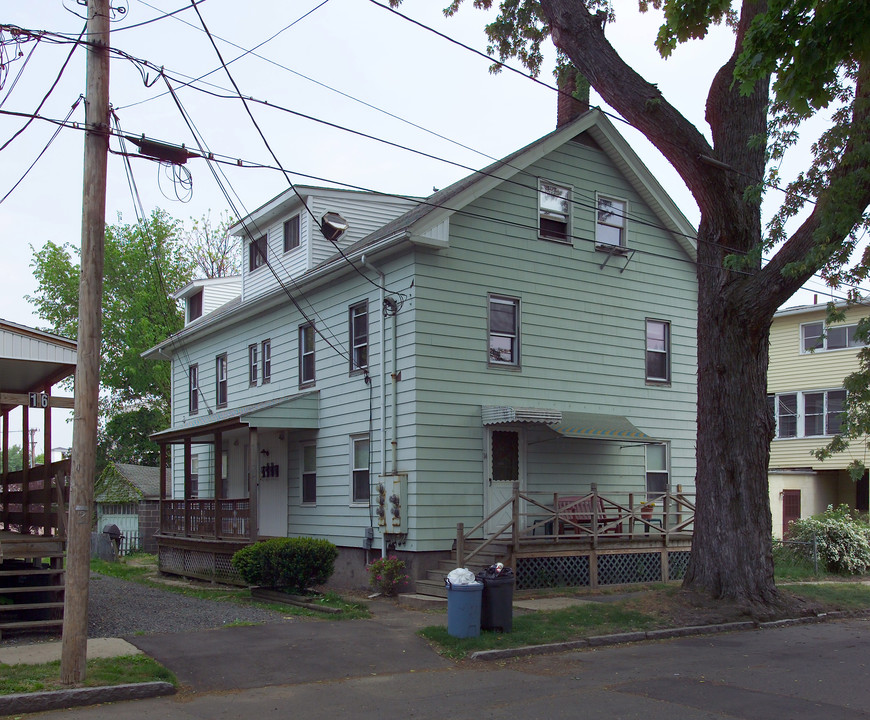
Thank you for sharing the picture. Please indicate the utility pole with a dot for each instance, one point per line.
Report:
(33, 446)
(74, 648)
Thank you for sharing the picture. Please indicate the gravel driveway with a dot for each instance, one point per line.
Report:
(119, 607)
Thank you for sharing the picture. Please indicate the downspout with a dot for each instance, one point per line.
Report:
(381, 297)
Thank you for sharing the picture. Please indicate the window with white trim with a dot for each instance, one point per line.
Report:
(554, 211)
(610, 223)
(194, 477)
(266, 359)
(658, 351)
(257, 253)
(359, 336)
(253, 364)
(309, 473)
(291, 234)
(658, 474)
(504, 330)
(221, 380)
(194, 306)
(306, 355)
(193, 389)
(808, 414)
(360, 488)
(817, 337)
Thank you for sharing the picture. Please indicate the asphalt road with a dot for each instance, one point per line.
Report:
(804, 672)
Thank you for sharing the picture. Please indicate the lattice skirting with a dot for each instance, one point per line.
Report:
(611, 569)
(199, 564)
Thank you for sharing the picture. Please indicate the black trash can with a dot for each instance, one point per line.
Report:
(496, 608)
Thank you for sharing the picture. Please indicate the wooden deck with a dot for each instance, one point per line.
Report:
(32, 548)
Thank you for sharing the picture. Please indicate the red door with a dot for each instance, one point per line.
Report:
(791, 508)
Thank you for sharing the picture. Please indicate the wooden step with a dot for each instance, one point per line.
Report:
(32, 571)
(30, 606)
(31, 624)
(30, 589)
(431, 587)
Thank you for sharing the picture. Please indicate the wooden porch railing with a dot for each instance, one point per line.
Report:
(37, 505)
(539, 518)
(221, 518)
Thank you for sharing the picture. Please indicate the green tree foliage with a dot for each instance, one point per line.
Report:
(15, 461)
(125, 437)
(792, 60)
(211, 247)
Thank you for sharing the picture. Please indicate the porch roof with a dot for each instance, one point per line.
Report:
(299, 411)
(591, 426)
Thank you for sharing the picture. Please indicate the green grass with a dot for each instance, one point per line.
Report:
(539, 628)
(142, 568)
(102, 671)
(835, 595)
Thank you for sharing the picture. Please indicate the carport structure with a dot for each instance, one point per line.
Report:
(33, 499)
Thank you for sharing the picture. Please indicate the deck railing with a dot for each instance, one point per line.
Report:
(221, 518)
(538, 518)
(36, 503)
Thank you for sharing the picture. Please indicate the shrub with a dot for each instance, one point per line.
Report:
(387, 574)
(843, 542)
(292, 563)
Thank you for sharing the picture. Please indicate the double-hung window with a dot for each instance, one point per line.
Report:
(817, 337)
(359, 337)
(504, 331)
(309, 473)
(808, 414)
(266, 359)
(253, 364)
(658, 351)
(554, 211)
(193, 389)
(306, 355)
(291, 234)
(221, 380)
(257, 253)
(610, 225)
(360, 468)
(657, 472)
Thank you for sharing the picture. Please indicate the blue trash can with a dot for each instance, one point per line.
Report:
(463, 609)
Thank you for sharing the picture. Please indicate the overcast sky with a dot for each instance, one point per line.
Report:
(410, 87)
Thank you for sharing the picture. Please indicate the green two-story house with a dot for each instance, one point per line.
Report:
(390, 367)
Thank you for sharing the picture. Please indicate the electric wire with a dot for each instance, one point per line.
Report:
(156, 19)
(4, 66)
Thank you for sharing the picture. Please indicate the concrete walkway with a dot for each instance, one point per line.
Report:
(39, 653)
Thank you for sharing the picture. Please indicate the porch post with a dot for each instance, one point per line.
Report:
(218, 476)
(162, 502)
(46, 460)
(25, 468)
(4, 508)
(253, 483)
(460, 544)
(594, 515)
(188, 466)
(515, 522)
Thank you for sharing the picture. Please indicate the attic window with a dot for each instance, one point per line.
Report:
(554, 211)
(291, 233)
(194, 306)
(257, 253)
(610, 226)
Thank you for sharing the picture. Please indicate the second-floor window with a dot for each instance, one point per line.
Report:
(253, 364)
(194, 306)
(504, 331)
(658, 351)
(221, 380)
(816, 337)
(808, 414)
(193, 389)
(257, 253)
(306, 355)
(266, 359)
(359, 336)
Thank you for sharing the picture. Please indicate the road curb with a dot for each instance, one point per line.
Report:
(77, 697)
(667, 633)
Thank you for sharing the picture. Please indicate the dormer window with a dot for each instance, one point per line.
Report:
(257, 253)
(291, 234)
(194, 306)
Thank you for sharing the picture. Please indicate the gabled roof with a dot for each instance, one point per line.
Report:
(440, 206)
(121, 483)
(32, 360)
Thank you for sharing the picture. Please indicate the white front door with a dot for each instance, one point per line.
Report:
(505, 465)
(272, 499)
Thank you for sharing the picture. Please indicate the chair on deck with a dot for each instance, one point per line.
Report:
(576, 512)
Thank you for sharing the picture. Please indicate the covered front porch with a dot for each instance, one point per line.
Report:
(232, 488)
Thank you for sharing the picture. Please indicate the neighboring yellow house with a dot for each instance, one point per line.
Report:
(808, 362)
